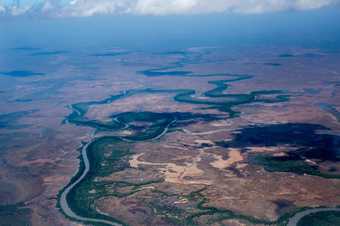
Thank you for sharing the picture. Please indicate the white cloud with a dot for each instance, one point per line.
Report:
(156, 7)
(2, 8)
(164, 7)
(93, 7)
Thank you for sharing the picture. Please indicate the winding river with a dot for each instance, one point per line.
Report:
(63, 202)
(223, 103)
(63, 196)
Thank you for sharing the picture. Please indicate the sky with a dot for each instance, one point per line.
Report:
(169, 24)
(84, 8)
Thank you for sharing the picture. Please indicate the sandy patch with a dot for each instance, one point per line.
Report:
(223, 123)
(265, 149)
(173, 173)
(234, 157)
(126, 133)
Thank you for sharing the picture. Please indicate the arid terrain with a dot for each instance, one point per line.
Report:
(201, 136)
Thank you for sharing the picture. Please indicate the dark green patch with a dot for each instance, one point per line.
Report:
(14, 215)
(21, 73)
(305, 139)
(109, 54)
(286, 55)
(49, 53)
(9, 120)
(329, 218)
(273, 64)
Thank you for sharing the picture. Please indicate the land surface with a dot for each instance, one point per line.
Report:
(202, 136)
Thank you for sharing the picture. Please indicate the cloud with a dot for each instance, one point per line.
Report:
(2, 8)
(82, 8)
(159, 7)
